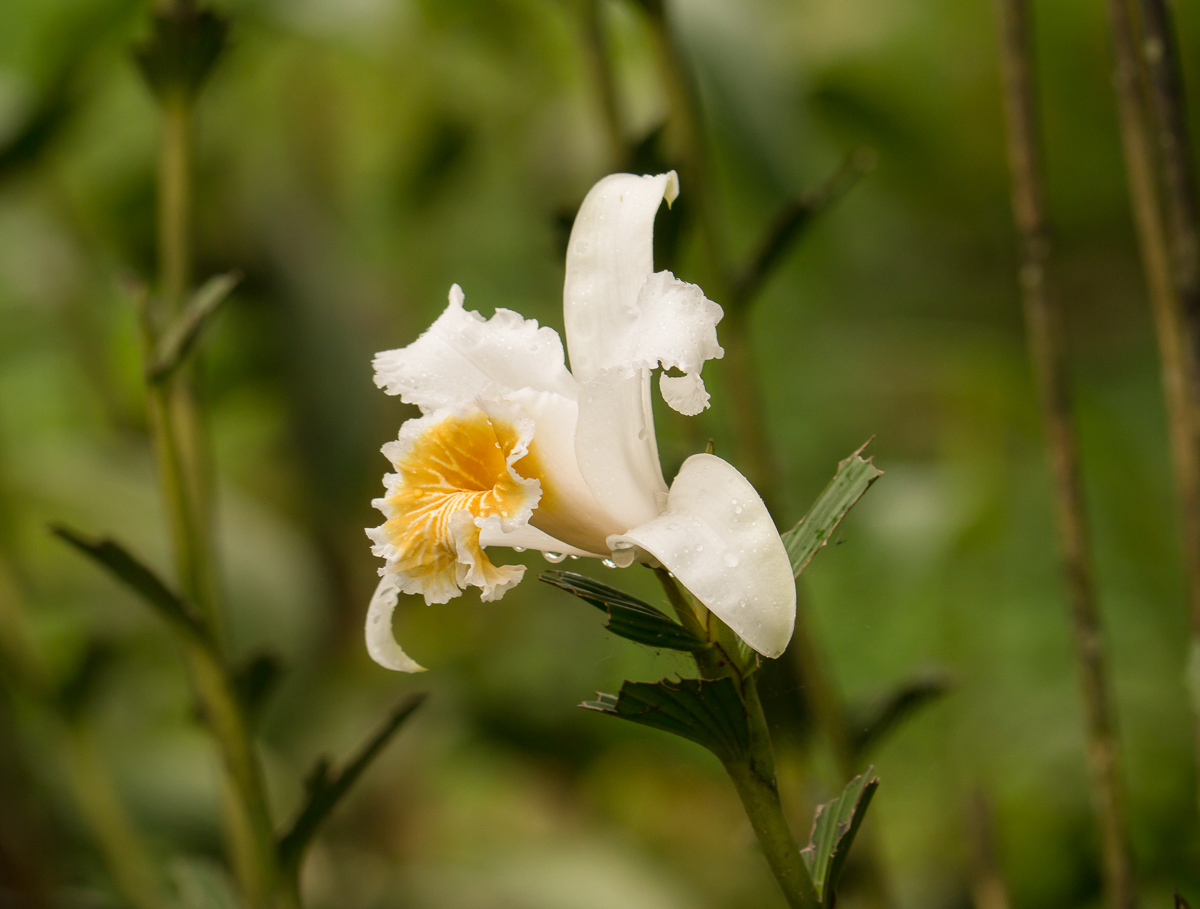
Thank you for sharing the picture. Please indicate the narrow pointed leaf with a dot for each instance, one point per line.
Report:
(707, 712)
(834, 828)
(628, 617)
(134, 574)
(853, 478)
(325, 789)
(179, 339)
(872, 723)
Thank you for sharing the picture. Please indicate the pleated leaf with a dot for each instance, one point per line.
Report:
(834, 829)
(628, 617)
(708, 712)
(854, 476)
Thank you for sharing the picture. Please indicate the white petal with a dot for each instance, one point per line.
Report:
(463, 355)
(685, 393)
(527, 537)
(609, 258)
(568, 511)
(381, 644)
(616, 447)
(717, 538)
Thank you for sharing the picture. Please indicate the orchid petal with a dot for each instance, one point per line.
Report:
(717, 538)
(616, 446)
(462, 355)
(609, 257)
(381, 643)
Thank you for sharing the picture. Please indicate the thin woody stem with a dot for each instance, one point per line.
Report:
(1048, 352)
(1160, 54)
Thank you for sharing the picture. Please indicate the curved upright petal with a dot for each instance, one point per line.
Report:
(462, 355)
(609, 257)
(717, 538)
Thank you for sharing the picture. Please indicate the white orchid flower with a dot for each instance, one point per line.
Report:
(512, 449)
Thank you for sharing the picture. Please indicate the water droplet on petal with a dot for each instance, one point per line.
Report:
(554, 557)
(573, 556)
(737, 510)
(518, 549)
(730, 560)
(608, 563)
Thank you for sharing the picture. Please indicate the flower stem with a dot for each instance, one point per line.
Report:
(1048, 351)
(753, 777)
(759, 792)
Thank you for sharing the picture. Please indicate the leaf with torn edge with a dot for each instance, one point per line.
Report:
(628, 617)
(181, 336)
(708, 712)
(325, 789)
(834, 828)
(854, 476)
(873, 722)
(142, 580)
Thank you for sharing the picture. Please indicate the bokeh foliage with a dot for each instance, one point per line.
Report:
(356, 158)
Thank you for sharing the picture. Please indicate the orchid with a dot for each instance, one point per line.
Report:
(512, 449)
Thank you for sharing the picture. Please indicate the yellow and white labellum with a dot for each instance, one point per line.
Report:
(515, 450)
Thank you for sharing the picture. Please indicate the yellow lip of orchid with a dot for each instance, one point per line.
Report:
(512, 449)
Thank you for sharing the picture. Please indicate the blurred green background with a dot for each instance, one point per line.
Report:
(356, 157)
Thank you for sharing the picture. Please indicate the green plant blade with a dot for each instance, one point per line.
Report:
(182, 335)
(628, 617)
(871, 723)
(143, 581)
(708, 712)
(854, 476)
(834, 828)
(326, 790)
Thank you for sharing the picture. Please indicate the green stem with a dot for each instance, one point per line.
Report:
(754, 777)
(757, 788)
(186, 486)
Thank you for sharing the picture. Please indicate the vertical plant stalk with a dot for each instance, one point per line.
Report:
(1164, 78)
(185, 481)
(1048, 353)
(754, 778)
(753, 441)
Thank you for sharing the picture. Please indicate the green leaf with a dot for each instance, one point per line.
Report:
(708, 712)
(325, 789)
(179, 339)
(184, 44)
(834, 828)
(871, 723)
(628, 617)
(135, 575)
(853, 478)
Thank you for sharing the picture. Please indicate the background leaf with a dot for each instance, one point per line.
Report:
(854, 476)
(834, 828)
